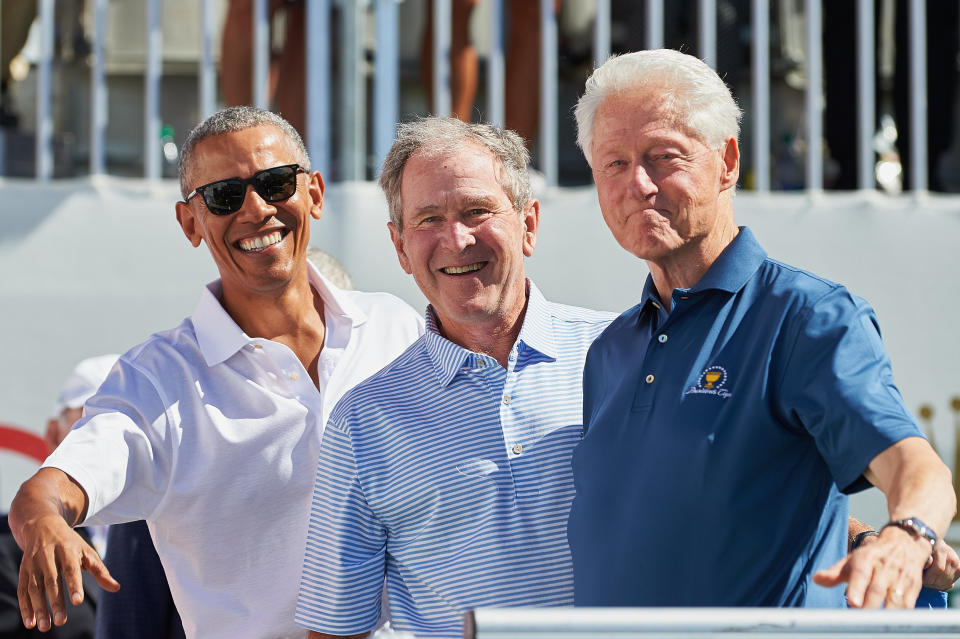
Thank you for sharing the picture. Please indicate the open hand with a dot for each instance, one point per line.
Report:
(53, 557)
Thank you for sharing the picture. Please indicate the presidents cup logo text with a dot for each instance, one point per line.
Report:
(711, 382)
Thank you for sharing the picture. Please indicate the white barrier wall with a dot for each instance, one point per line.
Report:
(90, 267)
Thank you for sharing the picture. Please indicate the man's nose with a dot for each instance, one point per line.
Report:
(458, 235)
(642, 183)
(254, 207)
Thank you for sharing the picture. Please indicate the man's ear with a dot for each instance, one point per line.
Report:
(730, 169)
(315, 188)
(531, 222)
(189, 223)
(397, 238)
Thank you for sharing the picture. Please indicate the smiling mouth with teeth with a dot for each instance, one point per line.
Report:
(460, 270)
(254, 244)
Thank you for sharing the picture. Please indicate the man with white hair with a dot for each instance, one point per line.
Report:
(728, 413)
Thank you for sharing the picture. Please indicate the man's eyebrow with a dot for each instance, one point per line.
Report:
(479, 201)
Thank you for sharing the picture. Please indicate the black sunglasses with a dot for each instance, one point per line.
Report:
(224, 197)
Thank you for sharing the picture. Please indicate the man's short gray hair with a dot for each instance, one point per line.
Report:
(699, 99)
(438, 136)
(231, 120)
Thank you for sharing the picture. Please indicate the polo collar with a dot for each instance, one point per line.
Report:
(730, 272)
(734, 267)
(536, 332)
(219, 336)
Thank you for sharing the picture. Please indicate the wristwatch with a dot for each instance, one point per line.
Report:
(916, 528)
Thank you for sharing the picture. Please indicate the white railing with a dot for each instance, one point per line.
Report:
(697, 623)
(345, 106)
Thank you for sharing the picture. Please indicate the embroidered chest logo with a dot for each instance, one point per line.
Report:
(711, 382)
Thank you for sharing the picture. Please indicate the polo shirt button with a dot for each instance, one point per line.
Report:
(294, 377)
(650, 379)
(481, 363)
(517, 449)
(662, 339)
(506, 400)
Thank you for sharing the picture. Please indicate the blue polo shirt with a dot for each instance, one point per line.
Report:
(451, 475)
(721, 438)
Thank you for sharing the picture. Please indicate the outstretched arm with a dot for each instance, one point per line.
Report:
(889, 571)
(42, 517)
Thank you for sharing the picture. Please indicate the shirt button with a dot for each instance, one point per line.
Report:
(259, 347)
(649, 379)
(506, 400)
(481, 363)
(662, 339)
(517, 449)
(294, 377)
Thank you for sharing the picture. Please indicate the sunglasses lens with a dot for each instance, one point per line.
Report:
(225, 197)
(276, 184)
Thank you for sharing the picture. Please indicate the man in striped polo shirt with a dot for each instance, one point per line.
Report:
(449, 470)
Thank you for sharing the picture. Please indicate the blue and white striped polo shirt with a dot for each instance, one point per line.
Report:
(451, 475)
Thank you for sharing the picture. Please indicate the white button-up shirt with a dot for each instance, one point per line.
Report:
(213, 436)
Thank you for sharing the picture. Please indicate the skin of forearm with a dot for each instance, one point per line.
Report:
(916, 484)
(48, 492)
(855, 527)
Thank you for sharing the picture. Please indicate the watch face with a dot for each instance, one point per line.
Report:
(916, 527)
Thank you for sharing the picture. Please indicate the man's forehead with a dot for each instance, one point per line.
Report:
(638, 112)
(238, 152)
(250, 140)
(457, 167)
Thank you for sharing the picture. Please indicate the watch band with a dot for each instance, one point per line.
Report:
(860, 537)
(916, 528)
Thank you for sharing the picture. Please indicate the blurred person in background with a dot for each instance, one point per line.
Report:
(522, 63)
(286, 89)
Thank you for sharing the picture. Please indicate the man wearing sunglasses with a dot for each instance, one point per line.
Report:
(210, 431)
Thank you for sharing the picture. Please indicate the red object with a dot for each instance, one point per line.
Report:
(23, 442)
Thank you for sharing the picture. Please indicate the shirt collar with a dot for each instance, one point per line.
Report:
(536, 332)
(219, 336)
(735, 265)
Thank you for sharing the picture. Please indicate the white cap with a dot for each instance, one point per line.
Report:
(84, 381)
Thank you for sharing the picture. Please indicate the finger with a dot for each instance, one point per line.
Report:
(832, 576)
(859, 580)
(902, 594)
(54, 589)
(73, 578)
(23, 599)
(895, 598)
(37, 601)
(95, 566)
(935, 573)
(952, 563)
